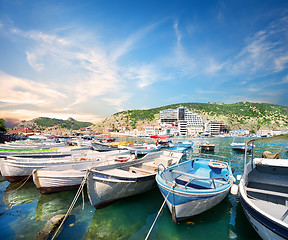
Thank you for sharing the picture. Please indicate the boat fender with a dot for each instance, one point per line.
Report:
(122, 158)
(234, 189)
(82, 159)
(217, 165)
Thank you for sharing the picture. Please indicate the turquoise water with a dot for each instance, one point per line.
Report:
(24, 212)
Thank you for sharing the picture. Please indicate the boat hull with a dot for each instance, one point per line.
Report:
(207, 148)
(183, 206)
(103, 191)
(265, 227)
(57, 181)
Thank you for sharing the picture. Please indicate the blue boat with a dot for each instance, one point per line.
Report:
(194, 186)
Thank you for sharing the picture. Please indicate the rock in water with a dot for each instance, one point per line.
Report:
(49, 227)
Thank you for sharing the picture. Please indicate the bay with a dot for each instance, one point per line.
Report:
(24, 211)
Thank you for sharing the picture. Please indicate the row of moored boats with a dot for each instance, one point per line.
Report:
(189, 187)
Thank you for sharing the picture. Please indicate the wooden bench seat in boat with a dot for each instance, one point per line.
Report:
(120, 172)
(267, 178)
(268, 192)
(141, 170)
(184, 178)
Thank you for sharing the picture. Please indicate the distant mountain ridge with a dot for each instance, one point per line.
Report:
(246, 115)
(44, 123)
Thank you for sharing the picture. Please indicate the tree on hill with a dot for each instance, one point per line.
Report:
(2, 127)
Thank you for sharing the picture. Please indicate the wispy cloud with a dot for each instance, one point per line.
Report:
(266, 51)
(22, 91)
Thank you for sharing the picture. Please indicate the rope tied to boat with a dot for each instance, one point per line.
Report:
(25, 180)
(80, 189)
(160, 210)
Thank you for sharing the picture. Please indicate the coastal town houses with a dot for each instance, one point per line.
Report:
(23, 131)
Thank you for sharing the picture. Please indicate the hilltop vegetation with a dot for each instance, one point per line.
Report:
(43, 123)
(250, 116)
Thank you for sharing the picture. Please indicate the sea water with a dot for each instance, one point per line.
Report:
(24, 211)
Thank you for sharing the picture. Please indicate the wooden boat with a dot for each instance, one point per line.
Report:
(185, 144)
(16, 168)
(106, 184)
(240, 147)
(207, 146)
(103, 147)
(69, 176)
(263, 191)
(194, 186)
(142, 149)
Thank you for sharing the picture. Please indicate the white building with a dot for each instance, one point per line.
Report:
(212, 127)
(181, 118)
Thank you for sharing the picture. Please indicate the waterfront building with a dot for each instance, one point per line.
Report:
(172, 116)
(181, 118)
(195, 131)
(212, 127)
(151, 130)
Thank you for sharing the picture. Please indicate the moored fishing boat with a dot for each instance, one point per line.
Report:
(207, 146)
(186, 144)
(106, 184)
(16, 168)
(240, 147)
(69, 176)
(142, 149)
(263, 191)
(194, 186)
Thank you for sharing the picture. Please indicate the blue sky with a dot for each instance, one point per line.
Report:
(90, 59)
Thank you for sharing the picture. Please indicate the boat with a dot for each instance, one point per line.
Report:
(263, 192)
(240, 147)
(19, 167)
(106, 184)
(69, 176)
(207, 146)
(194, 186)
(186, 144)
(142, 148)
(103, 147)
(178, 149)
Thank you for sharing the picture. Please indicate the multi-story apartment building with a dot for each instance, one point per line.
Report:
(181, 118)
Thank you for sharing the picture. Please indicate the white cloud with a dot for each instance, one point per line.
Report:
(22, 91)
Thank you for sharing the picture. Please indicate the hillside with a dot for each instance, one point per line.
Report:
(43, 123)
(251, 116)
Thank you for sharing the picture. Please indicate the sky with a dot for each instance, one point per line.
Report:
(91, 59)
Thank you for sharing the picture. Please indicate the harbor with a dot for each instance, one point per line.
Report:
(25, 211)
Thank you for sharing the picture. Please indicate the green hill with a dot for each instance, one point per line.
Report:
(43, 123)
(250, 116)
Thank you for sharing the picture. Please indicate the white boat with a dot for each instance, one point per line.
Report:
(240, 147)
(185, 144)
(69, 176)
(194, 186)
(16, 168)
(263, 191)
(142, 149)
(109, 183)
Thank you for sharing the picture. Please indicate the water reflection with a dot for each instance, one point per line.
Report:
(124, 217)
(13, 196)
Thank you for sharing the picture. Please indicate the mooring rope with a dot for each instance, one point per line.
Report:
(24, 179)
(80, 189)
(159, 212)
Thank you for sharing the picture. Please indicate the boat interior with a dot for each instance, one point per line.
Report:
(199, 175)
(267, 188)
(145, 167)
